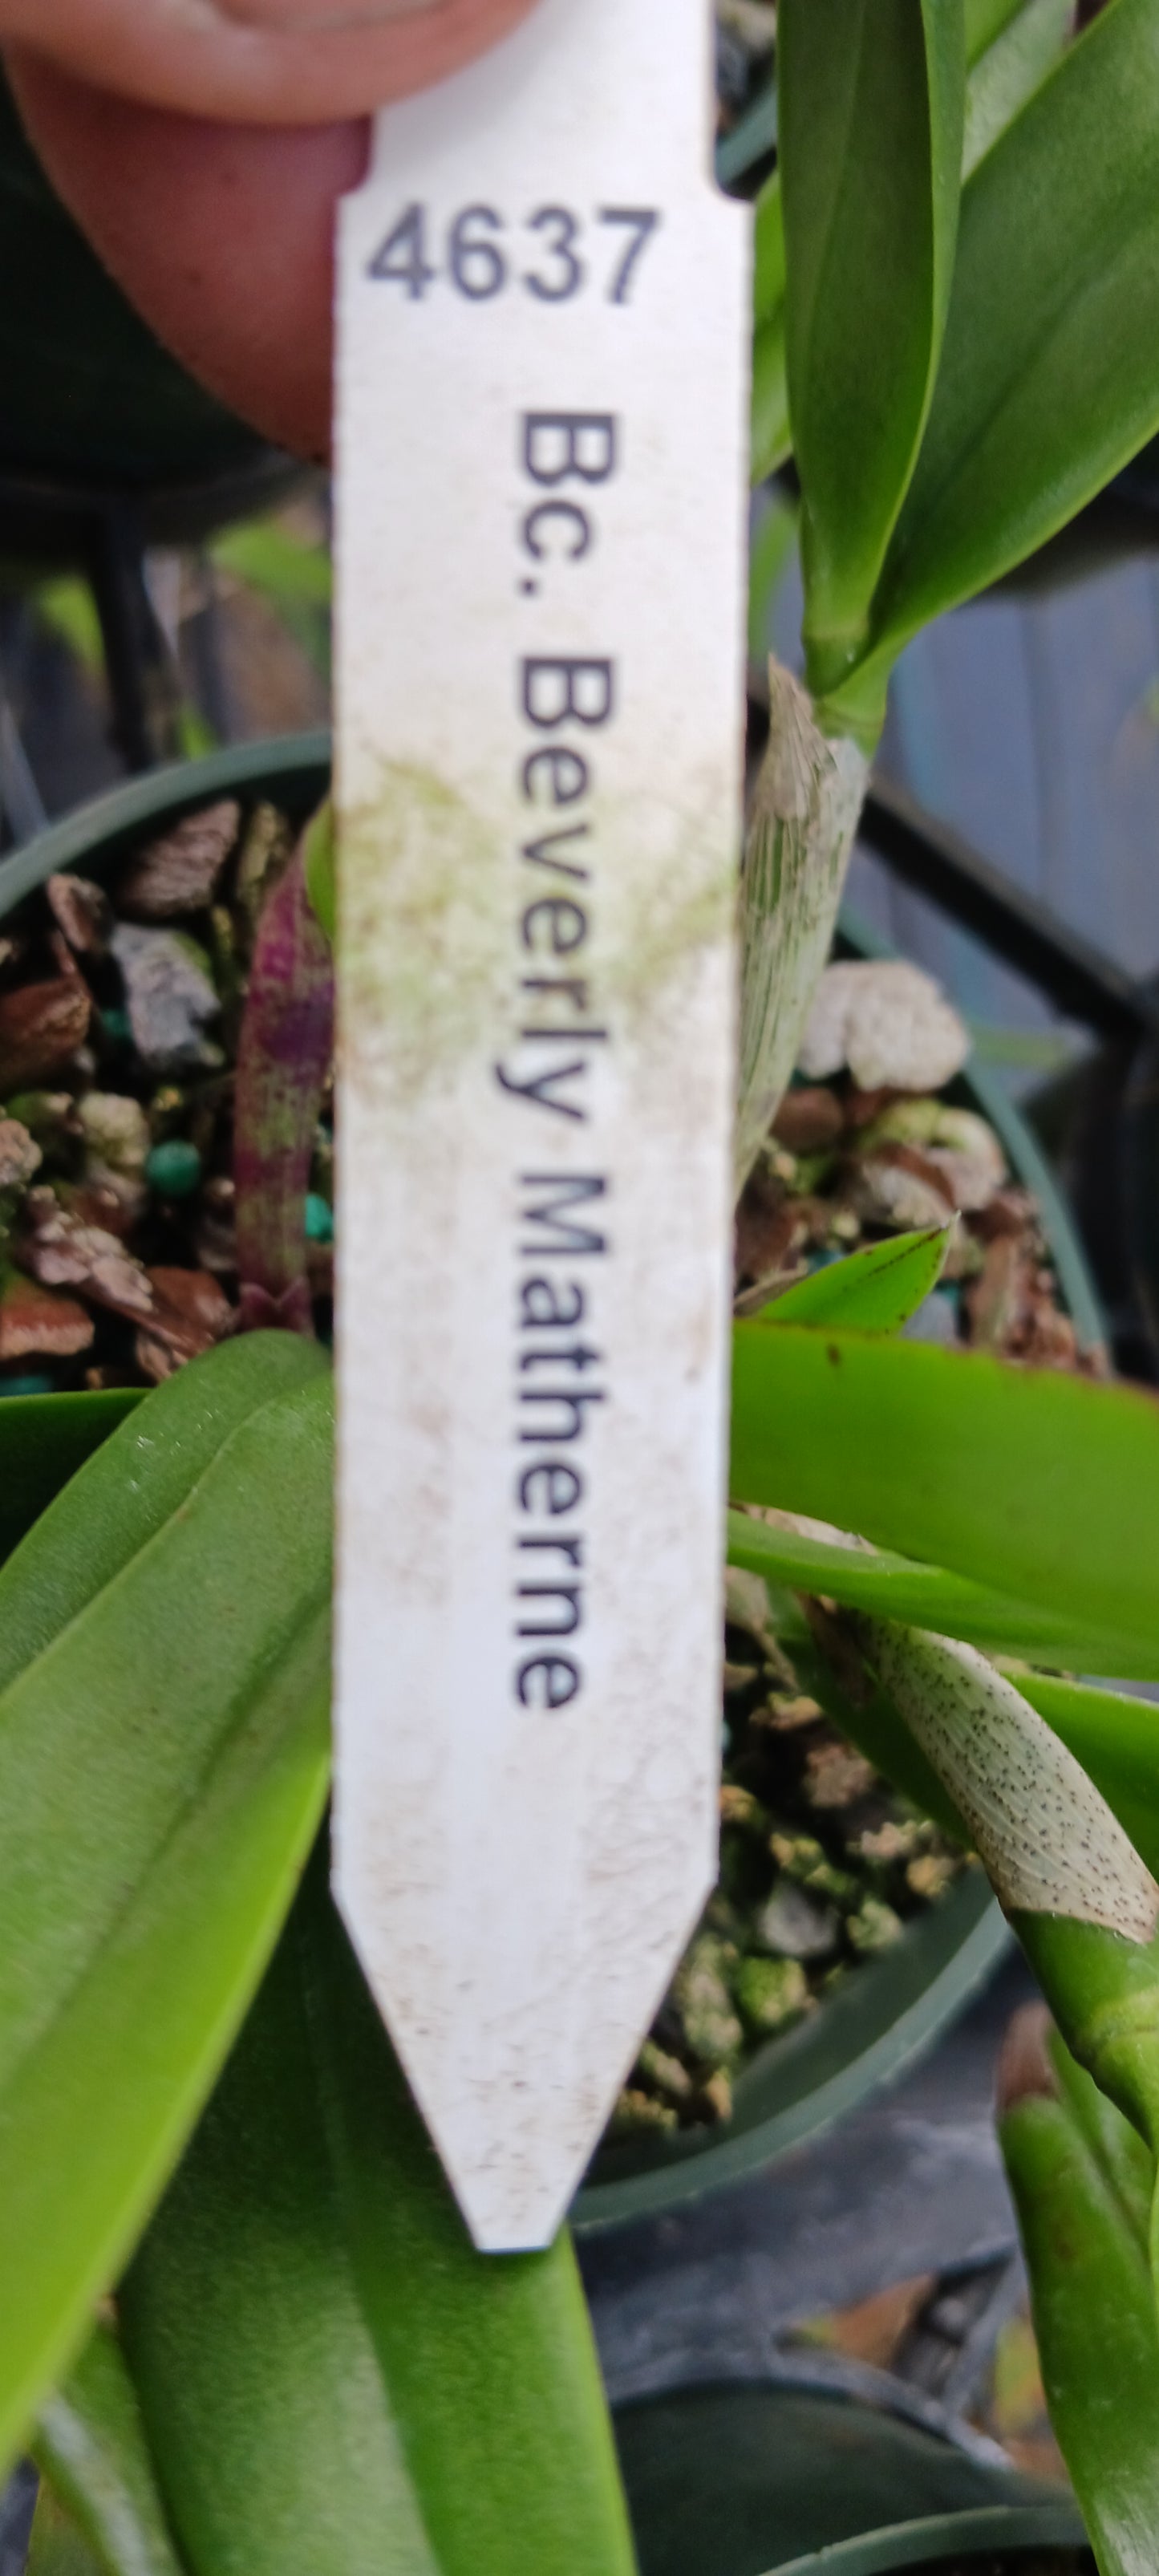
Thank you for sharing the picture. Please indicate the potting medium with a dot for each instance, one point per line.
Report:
(843, 1932)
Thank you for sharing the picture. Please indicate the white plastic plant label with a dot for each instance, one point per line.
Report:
(542, 442)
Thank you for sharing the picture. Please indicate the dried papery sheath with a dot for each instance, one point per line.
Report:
(1049, 1840)
(805, 813)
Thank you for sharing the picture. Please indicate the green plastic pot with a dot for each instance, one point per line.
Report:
(294, 772)
(882, 2018)
(774, 2481)
(92, 402)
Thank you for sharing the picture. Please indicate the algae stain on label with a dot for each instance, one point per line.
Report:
(424, 942)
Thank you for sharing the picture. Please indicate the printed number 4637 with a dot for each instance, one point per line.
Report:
(553, 262)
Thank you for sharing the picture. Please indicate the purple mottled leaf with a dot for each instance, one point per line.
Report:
(284, 1058)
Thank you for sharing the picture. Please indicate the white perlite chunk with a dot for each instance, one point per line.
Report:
(887, 1194)
(20, 1155)
(890, 1023)
(116, 1132)
(170, 997)
(1050, 1843)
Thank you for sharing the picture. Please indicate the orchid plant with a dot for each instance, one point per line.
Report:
(240, 2322)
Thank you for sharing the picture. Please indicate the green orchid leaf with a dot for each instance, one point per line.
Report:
(57, 2547)
(163, 1763)
(768, 251)
(43, 1441)
(871, 114)
(1116, 1739)
(1010, 72)
(888, 1586)
(331, 2377)
(1093, 2304)
(770, 437)
(319, 861)
(90, 2447)
(134, 1483)
(873, 1291)
(1026, 41)
(1104, 1994)
(1127, 2163)
(1039, 1485)
(1049, 378)
(985, 20)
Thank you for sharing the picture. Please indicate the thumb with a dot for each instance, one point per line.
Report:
(277, 62)
(209, 184)
(221, 235)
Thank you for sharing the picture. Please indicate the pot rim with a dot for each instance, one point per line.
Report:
(937, 2537)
